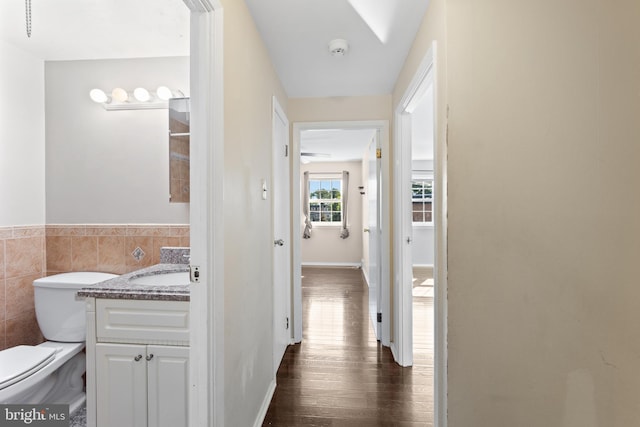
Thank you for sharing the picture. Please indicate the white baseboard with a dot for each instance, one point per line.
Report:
(365, 273)
(331, 264)
(394, 352)
(265, 404)
(423, 265)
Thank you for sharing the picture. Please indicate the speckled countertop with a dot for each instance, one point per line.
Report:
(120, 288)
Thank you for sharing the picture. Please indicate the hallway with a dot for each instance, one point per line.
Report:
(340, 375)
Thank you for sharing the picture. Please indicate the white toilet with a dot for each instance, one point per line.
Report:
(52, 371)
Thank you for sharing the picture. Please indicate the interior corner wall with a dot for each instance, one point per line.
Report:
(544, 213)
(325, 247)
(22, 138)
(249, 85)
(109, 166)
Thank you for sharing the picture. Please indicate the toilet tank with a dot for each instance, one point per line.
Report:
(60, 314)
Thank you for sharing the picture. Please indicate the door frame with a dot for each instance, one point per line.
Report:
(278, 114)
(403, 290)
(206, 374)
(374, 275)
(382, 126)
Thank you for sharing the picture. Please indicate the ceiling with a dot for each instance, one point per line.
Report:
(296, 33)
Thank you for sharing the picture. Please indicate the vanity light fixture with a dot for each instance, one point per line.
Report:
(119, 94)
(141, 94)
(98, 95)
(139, 99)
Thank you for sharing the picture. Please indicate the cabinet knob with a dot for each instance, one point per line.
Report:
(137, 358)
(149, 357)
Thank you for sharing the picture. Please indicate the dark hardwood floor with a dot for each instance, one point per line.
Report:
(340, 375)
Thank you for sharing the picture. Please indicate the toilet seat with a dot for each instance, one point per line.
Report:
(17, 363)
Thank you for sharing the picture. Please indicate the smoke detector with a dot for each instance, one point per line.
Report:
(338, 47)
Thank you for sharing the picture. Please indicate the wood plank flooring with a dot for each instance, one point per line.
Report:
(340, 375)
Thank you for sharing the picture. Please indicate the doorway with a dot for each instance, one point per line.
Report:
(421, 198)
(380, 130)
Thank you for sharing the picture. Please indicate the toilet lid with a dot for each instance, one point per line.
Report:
(21, 361)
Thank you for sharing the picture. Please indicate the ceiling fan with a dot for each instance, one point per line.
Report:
(308, 154)
(305, 156)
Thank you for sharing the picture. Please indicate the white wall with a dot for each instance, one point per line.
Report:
(325, 245)
(109, 166)
(22, 141)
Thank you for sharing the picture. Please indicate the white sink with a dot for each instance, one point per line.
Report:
(162, 279)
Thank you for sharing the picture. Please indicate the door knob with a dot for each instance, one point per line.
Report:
(137, 358)
(278, 242)
(149, 357)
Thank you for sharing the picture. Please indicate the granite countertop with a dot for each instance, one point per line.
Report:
(120, 288)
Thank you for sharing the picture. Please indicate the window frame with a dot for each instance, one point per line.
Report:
(325, 177)
(420, 175)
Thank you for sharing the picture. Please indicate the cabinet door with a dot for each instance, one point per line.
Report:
(168, 379)
(121, 383)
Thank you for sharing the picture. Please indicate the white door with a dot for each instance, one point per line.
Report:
(374, 237)
(281, 235)
(121, 382)
(168, 385)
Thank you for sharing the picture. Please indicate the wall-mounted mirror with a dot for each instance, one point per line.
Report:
(179, 150)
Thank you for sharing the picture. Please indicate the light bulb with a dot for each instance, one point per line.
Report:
(98, 95)
(141, 94)
(119, 94)
(164, 93)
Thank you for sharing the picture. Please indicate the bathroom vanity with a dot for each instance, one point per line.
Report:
(138, 349)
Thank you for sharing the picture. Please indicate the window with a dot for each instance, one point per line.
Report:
(421, 198)
(325, 200)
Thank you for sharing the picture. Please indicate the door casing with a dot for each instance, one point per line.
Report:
(281, 212)
(402, 348)
(382, 126)
(206, 373)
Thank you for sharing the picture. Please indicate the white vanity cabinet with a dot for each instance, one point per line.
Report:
(137, 363)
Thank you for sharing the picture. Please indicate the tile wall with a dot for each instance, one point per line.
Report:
(22, 260)
(27, 253)
(114, 249)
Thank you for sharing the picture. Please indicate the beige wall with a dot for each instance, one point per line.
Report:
(544, 102)
(340, 109)
(250, 83)
(325, 245)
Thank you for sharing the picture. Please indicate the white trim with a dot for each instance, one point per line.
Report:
(332, 264)
(383, 130)
(206, 398)
(278, 114)
(402, 292)
(262, 413)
